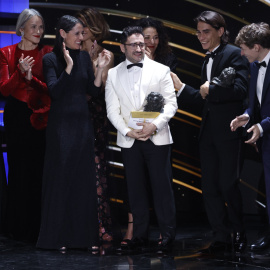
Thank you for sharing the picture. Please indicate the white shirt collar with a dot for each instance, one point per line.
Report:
(213, 50)
(266, 58)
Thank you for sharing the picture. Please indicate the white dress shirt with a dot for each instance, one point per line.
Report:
(208, 72)
(134, 76)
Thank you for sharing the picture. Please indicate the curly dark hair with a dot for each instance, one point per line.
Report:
(163, 48)
(255, 33)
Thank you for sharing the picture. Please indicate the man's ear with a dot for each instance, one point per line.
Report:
(257, 47)
(122, 47)
(221, 31)
(62, 33)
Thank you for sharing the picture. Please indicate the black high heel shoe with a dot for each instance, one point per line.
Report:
(125, 243)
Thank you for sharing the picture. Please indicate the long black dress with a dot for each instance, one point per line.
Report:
(69, 197)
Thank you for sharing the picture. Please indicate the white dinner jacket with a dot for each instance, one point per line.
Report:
(119, 101)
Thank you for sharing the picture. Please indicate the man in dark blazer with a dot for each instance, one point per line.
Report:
(220, 149)
(254, 41)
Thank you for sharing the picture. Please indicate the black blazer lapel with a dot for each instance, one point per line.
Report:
(203, 73)
(215, 72)
(266, 84)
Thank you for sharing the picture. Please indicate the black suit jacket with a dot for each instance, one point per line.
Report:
(222, 105)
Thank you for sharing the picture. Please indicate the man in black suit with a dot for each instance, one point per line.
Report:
(220, 149)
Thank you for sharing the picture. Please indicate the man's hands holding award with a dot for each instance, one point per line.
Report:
(225, 79)
(141, 121)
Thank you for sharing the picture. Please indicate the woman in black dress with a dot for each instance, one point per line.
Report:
(69, 198)
(95, 31)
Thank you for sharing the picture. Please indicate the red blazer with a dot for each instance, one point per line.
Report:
(12, 81)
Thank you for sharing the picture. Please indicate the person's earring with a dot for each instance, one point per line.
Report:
(22, 34)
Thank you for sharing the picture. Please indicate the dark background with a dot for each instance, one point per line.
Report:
(185, 157)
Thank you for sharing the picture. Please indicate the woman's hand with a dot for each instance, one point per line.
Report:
(29, 74)
(103, 59)
(26, 63)
(68, 59)
(149, 53)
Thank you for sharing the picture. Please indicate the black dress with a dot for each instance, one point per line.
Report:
(69, 197)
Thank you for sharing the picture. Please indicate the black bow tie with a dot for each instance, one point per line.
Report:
(262, 64)
(135, 64)
(209, 55)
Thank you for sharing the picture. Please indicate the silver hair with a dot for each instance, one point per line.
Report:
(24, 16)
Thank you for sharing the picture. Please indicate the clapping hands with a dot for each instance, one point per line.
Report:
(25, 65)
(103, 59)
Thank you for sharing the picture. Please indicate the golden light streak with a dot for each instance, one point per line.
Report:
(188, 73)
(218, 10)
(265, 2)
(188, 256)
(185, 154)
(251, 187)
(117, 175)
(116, 200)
(186, 49)
(189, 114)
(186, 164)
(50, 36)
(187, 185)
(7, 32)
(111, 43)
(186, 170)
(185, 121)
(116, 166)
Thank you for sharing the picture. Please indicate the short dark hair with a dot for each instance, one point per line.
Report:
(128, 31)
(163, 48)
(66, 23)
(216, 21)
(255, 33)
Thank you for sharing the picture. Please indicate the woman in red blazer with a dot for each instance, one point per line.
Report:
(27, 104)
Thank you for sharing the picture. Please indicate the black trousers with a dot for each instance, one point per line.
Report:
(141, 158)
(221, 162)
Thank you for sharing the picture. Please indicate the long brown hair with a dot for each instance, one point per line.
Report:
(96, 23)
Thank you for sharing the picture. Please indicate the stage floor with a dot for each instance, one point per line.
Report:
(190, 238)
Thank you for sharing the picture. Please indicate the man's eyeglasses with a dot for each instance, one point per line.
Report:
(135, 45)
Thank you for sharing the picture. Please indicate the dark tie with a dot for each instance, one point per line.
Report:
(210, 55)
(135, 64)
(262, 64)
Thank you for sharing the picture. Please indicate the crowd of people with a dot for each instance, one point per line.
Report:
(58, 104)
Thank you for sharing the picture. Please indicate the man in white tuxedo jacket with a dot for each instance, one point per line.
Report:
(146, 151)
